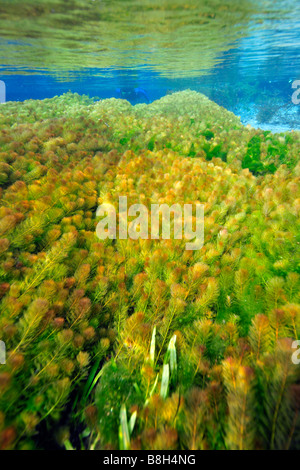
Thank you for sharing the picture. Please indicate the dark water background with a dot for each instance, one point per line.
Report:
(247, 64)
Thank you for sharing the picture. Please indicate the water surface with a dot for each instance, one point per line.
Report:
(242, 54)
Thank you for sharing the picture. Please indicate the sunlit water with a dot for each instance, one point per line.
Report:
(242, 54)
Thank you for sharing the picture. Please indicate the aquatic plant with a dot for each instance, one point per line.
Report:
(82, 317)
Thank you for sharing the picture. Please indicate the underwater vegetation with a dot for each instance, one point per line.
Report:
(141, 344)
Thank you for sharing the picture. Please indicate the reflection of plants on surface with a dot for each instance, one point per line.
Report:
(107, 37)
(90, 325)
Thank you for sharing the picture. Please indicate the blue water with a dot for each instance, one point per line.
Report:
(253, 78)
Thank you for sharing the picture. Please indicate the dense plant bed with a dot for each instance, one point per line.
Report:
(140, 343)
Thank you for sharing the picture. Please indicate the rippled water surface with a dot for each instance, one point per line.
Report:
(243, 54)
